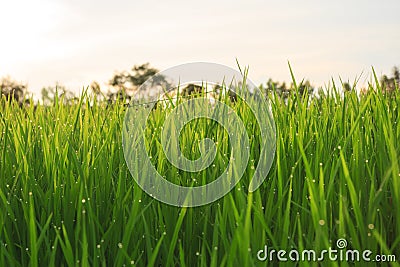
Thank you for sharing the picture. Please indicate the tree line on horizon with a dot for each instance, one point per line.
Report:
(124, 84)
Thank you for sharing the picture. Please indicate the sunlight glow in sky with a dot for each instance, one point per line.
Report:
(76, 42)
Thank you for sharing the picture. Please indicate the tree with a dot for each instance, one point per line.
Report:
(279, 88)
(12, 90)
(59, 92)
(391, 83)
(95, 88)
(347, 87)
(127, 83)
(283, 91)
(305, 87)
(396, 74)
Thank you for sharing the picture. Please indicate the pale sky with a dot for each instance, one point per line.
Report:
(75, 42)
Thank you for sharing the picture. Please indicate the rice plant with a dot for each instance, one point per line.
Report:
(67, 197)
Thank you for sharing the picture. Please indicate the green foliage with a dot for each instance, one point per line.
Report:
(67, 197)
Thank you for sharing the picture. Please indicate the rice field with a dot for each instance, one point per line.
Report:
(67, 197)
